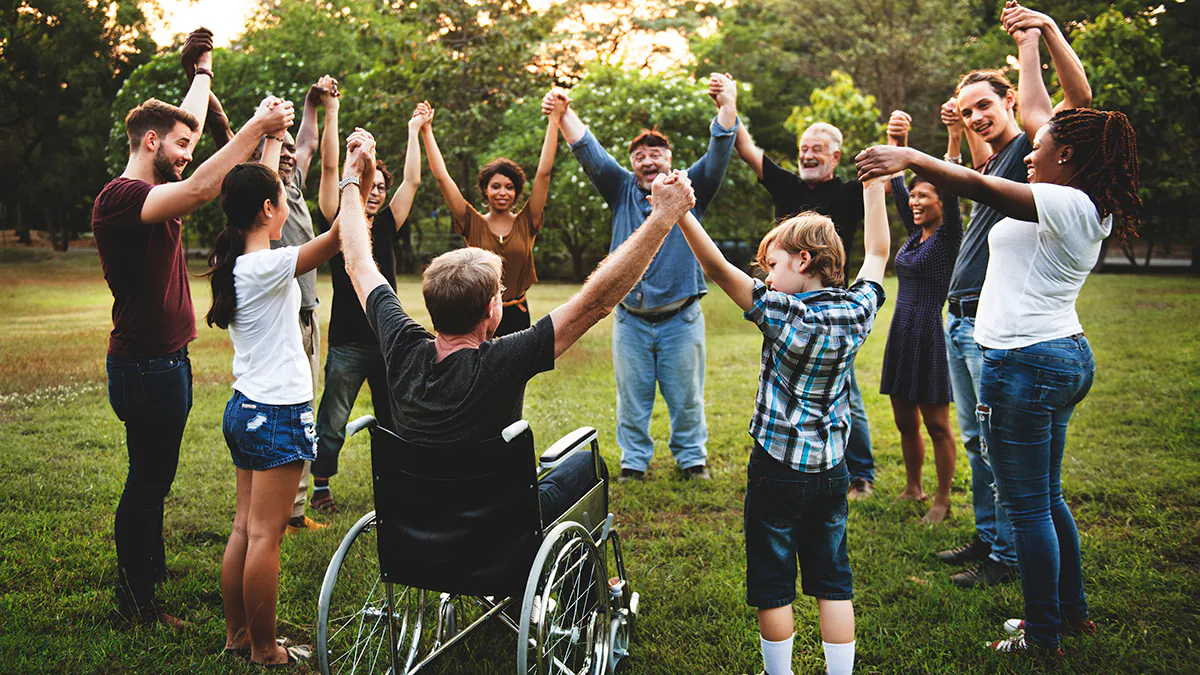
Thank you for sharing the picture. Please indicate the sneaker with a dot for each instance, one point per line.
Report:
(324, 502)
(699, 472)
(972, 551)
(304, 524)
(1069, 627)
(860, 488)
(1018, 645)
(630, 474)
(988, 573)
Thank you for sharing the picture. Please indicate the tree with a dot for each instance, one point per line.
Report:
(61, 63)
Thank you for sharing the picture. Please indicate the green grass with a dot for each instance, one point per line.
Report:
(1132, 475)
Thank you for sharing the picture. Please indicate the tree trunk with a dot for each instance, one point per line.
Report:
(21, 228)
(1149, 250)
(1128, 254)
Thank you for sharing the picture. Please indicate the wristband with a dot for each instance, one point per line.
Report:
(201, 70)
(957, 159)
(274, 138)
(348, 180)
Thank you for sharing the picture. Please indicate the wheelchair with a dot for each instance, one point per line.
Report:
(456, 540)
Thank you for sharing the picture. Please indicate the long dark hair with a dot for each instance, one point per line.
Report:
(1106, 153)
(243, 192)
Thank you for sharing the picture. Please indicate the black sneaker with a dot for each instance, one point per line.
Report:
(630, 474)
(697, 473)
(989, 573)
(972, 551)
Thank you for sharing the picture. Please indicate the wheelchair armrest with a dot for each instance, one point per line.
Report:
(572, 442)
(513, 430)
(364, 422)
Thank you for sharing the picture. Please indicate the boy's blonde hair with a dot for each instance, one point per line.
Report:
(812, 232)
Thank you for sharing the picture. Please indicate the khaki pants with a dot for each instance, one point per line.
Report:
(310, 332)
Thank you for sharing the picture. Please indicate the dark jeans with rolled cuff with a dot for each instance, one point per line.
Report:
(153, 397)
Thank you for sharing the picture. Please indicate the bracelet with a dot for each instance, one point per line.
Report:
(201, 70)
(348, 180)
(957, 159)
(274, 138)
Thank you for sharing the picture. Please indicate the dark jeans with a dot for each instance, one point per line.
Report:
(153, 397)
(567, 484)
(1026, 398)
(859, 460)
(346, 368)
(515, 318)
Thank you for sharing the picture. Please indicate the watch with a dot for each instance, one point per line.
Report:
(957, 159)
(348, 180)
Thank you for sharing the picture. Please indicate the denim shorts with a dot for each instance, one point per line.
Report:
(262, 436)
(792, 515)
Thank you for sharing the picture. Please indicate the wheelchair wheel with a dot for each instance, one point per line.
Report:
(565, 615)
(357, 621)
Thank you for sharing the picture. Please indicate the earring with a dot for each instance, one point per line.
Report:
(1061, 161)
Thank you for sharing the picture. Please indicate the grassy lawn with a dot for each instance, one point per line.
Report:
(1132, 475)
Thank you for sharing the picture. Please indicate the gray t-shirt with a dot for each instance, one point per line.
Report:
(472, 394)
(971, 266)
(297, 231)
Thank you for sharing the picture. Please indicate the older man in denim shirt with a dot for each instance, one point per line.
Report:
(658, 336)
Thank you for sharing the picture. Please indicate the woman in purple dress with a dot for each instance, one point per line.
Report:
(915, 372)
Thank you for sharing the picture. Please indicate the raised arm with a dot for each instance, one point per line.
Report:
(1077, 93)
(450, 192)
(327, 191)
(272, 147)
(599, 166)
(876, 236)
(738, 285)
(1032, 97)
(573, 128)
(750, 153)
(616, 275)
(196, 59)
(541, 181)
(1008, 197)
(355, 237)
(402, 199)
(217, 122)
(172, 200)
(324, 246)
(708, 172)
(306, 136)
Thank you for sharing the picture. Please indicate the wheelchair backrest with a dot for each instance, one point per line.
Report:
(457, 518)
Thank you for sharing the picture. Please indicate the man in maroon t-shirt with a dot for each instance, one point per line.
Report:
(136, 222)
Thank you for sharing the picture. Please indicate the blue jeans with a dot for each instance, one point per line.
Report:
(671, 354)
(966, 362)
(560, 489)
(1026, 398)
(859, 460)
(346, 368)
(153, 397)
(794, 516)
(262, 436)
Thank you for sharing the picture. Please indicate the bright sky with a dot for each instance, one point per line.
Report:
(227, 20)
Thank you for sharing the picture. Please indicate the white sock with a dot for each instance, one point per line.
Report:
(839, 658)
(777, 656)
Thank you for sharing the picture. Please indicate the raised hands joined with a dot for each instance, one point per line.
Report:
(880, 162)
(1023, 23)
(672, 195)
(360, 154)
(951, 117)
(897, 128)
(324, 91)
(274, 115)
(422, 115)
(197, 51)
(556, 102)
(722, 89)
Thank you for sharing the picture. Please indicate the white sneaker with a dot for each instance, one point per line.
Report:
(1014, 626)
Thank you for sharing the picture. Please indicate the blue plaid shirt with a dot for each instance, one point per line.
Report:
(802, 412)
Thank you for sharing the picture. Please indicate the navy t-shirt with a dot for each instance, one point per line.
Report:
(347, 323)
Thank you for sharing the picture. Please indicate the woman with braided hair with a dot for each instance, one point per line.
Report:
(1037, 364)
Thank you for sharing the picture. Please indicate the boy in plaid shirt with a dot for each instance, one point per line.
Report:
(797, 478)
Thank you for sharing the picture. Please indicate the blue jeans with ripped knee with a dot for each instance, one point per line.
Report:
(1026, 399)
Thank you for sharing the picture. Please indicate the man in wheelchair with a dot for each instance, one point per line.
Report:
(461, 385)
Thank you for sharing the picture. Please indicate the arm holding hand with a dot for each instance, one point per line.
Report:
(360, 154)
(572, 127)
(355, 237)
(450, 192)
(541, 181)
(402, 200)
(172, 200)
(672, 197)
(750, 153)
(1008, 197)
(327, 190)
(197, 53)
(738, 285)
(1077, 93)
(876, 236)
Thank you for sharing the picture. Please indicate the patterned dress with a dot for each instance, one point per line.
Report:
(914, 362)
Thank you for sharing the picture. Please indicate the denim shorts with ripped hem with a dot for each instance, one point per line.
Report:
(262, 436)
(793, 516)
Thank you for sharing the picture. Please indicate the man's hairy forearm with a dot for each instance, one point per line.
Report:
(356, 244)
(617, 274)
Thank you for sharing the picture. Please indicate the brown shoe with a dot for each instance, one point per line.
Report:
(324, 503)
(860, 488)
(304, 524)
